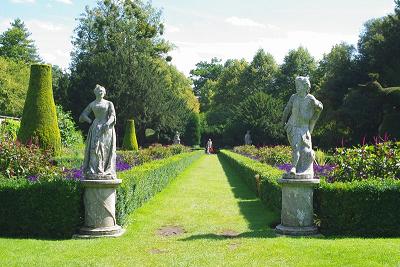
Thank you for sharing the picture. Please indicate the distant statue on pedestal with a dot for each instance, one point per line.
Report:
(304, 110)
(177, 138)
(247, 138)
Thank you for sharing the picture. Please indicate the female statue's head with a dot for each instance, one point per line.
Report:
(303, 84)
(99, 91)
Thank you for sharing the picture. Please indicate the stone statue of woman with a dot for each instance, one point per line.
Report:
(100, 152)
(304, 110)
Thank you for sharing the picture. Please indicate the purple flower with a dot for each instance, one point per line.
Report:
(73, 174)
(33, 178)
(285, 167)
(319, 170)
(122, 165)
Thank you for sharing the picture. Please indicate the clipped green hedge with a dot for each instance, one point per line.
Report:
(39, 119)
(267, 188)
(52, 209)
(143, 182)
(359, 208)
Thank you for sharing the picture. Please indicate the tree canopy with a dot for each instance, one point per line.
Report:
(16, 44)
(119, 44)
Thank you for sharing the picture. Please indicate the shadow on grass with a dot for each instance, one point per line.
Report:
(261, 220)
(258, 216)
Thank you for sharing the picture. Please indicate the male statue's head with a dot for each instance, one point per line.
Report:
(303, 85)
(99, 91)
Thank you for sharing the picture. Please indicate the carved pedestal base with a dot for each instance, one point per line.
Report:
(99, 200)
(297, 207)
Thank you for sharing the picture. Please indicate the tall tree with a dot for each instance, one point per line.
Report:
(297, 62)
(204, 77)
(119, 44)
(14, 80)
(16, 44)
(379, 48)
(261, 74)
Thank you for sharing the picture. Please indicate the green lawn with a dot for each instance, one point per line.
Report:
(206, 200)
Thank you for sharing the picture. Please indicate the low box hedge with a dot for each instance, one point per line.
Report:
(359, 208)
(50, 209)
(54, 209)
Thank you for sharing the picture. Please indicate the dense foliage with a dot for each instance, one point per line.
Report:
(192, 131)
(70, 135)
(9, 129)
(14, 80)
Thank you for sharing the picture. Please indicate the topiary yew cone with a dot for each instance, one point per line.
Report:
(39, 118)
(130, 141)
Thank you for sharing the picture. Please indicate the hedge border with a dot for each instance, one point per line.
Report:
(360, 208)
(54, 209)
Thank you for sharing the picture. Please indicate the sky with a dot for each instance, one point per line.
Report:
(203, 29)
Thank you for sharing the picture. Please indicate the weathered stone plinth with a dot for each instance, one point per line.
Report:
(297, 207)
(99, 200)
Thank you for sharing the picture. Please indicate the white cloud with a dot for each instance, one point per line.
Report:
(246, 22)
(189, 53)
(44, 25)
(171, 28)
(68, 2)
(23, 1)
(52, 40)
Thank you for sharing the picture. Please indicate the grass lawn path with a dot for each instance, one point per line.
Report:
(207, 200)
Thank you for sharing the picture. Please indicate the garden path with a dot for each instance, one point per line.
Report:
(223, 223)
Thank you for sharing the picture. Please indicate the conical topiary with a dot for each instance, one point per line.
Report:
(130, 141)
(39, 118)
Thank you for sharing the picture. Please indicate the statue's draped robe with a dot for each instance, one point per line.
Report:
(100, 151)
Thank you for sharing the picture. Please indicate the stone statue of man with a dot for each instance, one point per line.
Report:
(247, 138)
(304, 110)
(177, 138)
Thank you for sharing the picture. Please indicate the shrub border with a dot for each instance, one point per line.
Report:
(360, 208)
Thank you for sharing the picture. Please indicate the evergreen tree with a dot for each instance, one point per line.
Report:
(16, 44)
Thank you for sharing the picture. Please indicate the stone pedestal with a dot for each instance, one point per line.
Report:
(297, 207)
(99, 199)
